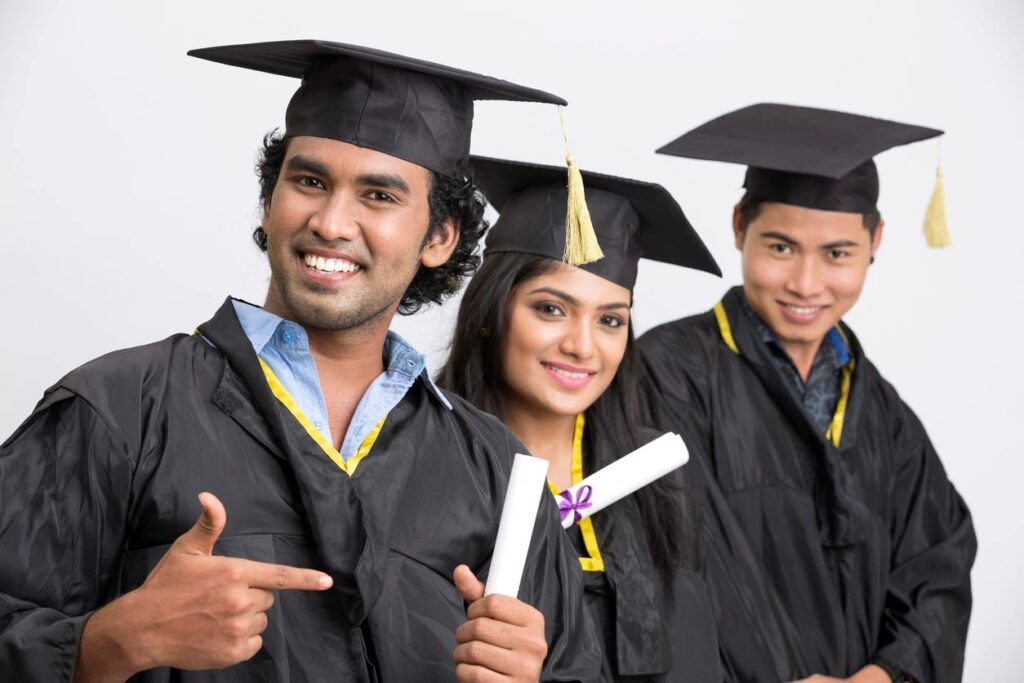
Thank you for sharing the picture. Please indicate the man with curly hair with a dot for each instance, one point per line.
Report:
(347, 504)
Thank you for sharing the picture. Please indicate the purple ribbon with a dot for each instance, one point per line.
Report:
(567, 504)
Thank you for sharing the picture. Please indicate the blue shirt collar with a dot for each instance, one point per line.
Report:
(400, 357)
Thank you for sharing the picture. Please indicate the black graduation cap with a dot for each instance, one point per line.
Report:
(632, 219)
(409, 108)
(815, 158)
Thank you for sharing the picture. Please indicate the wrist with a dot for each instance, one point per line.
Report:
(110, 649)
(872, 673)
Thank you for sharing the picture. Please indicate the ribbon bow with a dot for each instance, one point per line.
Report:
(568, 505)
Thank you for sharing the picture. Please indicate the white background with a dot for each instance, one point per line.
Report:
(127, 194)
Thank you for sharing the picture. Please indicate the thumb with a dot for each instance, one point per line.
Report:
(204, 533)
(467, 584)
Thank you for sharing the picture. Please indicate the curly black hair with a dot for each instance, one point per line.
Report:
(450, 197)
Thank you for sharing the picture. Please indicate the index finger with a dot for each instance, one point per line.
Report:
(504, 609)
(282, 577)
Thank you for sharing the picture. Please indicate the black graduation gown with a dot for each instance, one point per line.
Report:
(818, 559)
(648, 635)
(104, 474)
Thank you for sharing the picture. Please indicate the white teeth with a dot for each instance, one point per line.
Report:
(567, 373)
(803, 310)
(330, 265)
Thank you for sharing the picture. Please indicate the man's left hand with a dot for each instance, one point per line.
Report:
(502, 639)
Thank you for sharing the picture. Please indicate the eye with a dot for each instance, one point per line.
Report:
(781, 248)
(380, 196)
(837, 254)
(612, 321)
(310, 182)
(546, 308)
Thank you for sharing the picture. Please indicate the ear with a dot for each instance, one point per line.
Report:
(738, 232)
(876, 241)
(441, 245)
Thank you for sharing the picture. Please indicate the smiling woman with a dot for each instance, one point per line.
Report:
(549, 349)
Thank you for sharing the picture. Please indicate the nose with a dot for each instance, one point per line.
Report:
(335, 218)
(578, 340)
(805, 280)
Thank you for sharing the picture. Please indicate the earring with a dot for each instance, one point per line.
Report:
(872, 261)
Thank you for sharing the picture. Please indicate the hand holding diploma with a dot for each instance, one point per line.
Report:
(621, 478)
(503, 638)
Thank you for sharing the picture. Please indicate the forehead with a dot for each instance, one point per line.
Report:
(809, 225)
(586, 288)
(343, 158)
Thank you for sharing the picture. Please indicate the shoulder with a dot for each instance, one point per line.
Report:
(689, 333)
(127, 387)
(482, 427)
(687, 345)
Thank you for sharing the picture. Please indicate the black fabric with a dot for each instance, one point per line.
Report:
(409, 108)
(818, 559)
(648, 634)
(632, 219)
(855, 192)
(815, 158)
(103, 476)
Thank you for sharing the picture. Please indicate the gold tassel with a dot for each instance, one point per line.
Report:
(936, 232)
(581, 244)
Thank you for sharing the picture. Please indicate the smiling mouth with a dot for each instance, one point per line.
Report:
(803, 310)
(326, 265)
(568, 374)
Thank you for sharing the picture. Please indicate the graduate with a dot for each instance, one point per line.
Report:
(339, 489)
(841, 549)
(548, 347)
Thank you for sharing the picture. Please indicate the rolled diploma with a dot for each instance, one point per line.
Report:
(627, 474)
(526, 485)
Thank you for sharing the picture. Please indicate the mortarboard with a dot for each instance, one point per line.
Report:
(815, 158)
(632, 219)
(408, 108)
(412, 109)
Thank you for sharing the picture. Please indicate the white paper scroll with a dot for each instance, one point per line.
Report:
(621, 478)
(525, 487)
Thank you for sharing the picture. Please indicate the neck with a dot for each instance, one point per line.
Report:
(352, 357)
(547, 435)
(802, 356)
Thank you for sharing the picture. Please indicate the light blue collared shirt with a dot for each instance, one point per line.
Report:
(284, 346)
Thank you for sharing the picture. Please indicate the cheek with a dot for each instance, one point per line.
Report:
(612, 349)
(524, 338)
(848, 284)
(763, 272)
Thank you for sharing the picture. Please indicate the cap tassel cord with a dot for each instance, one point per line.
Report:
(936, 230)
(581, 245)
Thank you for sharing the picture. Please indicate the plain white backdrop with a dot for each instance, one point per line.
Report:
(127, 194)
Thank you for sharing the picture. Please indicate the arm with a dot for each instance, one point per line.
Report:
(928, 602)
(64, 489)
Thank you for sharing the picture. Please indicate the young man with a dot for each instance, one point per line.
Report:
(328, 466)
(833, 542)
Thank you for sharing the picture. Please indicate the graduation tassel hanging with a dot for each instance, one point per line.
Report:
(936, 231)
(581, 244)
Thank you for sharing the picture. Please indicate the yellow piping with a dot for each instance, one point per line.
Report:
(349, 466)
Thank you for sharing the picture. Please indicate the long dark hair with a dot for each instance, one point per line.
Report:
(474, 371)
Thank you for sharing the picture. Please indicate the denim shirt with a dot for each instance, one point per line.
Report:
(284, 346)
